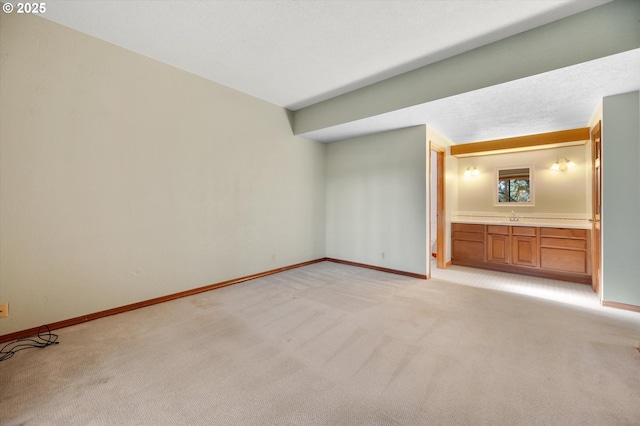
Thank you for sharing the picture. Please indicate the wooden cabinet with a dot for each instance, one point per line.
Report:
(498, 248)
(512, 245)
(558, 253)
(524, 246)
(565, 250)
(524, 251)
(468, 241)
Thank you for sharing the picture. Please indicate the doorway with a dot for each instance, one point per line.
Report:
(437, 206)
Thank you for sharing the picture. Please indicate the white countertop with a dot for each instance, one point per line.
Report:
(545, 220)
(526, 222)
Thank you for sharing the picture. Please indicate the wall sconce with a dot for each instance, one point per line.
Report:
(471, 171)
(563, 164)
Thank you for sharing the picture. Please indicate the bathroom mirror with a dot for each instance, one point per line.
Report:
(515, 186)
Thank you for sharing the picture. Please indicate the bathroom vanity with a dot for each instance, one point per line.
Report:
(562, 253)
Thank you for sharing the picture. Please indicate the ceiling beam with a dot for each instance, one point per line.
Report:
(520, 143)
(595, 33)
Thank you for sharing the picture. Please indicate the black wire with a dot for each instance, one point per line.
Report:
(41, 340)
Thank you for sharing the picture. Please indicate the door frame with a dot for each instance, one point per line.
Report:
(596, 208)
(441, 222)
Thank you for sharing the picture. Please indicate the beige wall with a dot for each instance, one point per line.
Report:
(124, 179)
(554, 192)
(377, 200)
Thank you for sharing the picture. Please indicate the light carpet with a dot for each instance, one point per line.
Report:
(331, 344)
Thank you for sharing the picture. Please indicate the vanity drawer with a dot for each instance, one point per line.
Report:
(468, 227)
(498, 229)
(468, 236)
(563, 232)
(563, 243)
(527, 231)
(573, 261)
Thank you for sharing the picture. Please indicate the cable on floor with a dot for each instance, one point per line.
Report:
(43, 339)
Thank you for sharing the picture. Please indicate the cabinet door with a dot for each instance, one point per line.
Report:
(470, 250)
(498, 248)
(564, 260)
(524, 251)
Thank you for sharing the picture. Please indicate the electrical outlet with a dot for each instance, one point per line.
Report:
(4, 310)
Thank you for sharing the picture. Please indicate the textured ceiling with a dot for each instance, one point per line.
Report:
(296, 53)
